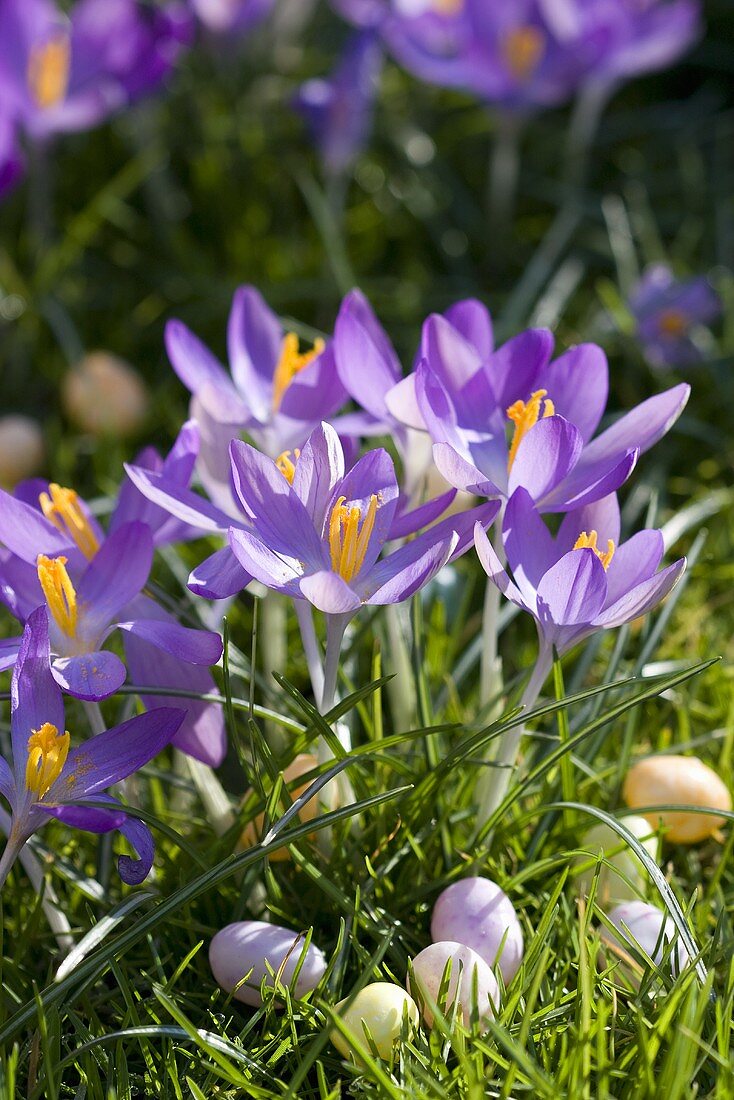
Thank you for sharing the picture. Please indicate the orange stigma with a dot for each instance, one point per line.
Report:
(47, 753)
(523, 49)
(348, 541)
(588, 542)
(525, 415)
(291, 362)
(62, 508)
(286, 465)
(673, 323)
(59, 592)
(48, 70)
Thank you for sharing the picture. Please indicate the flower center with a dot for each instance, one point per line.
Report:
(673, 323)
(525, 415)
(292, 361)
(47, 753)
(588, 542)
(349, 536)
(522, 50)
(59, 592)
(48, 70)
(61, 506)
(286, 465)
(448, 7)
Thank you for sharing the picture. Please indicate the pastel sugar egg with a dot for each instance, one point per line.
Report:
(622, 866)
(678, 781)
(253, 832)
(378, 1009)
(104, 395)
(254, 950)
(21, 449)
(478, 914)
(467, 968)
(638, 923)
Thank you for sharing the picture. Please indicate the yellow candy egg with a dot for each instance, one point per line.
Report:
(379, 1009)
(21, 449)
(678, 781)
(104, 395)
(300, 765)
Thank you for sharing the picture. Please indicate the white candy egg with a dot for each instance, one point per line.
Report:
(649, 927)
(466, 968)
(254, 950)
(477, 913)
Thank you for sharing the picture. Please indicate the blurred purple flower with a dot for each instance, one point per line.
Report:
(60, 74)
(339, 109)
(11, 158)
(580, 581)
(224, 16)
(56, 553)
(467, 400)
(667, 311)
(48, 777)
(321, 536)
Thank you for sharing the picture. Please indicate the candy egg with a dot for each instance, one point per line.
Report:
(466, 968)
(254, 950)
(379, 1009)
(650, 928)
(611, 887)
(678, 781)
(21, 449)
(253, 832)
(104, 395)
(477, 913)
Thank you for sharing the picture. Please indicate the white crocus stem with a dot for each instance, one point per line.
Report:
(311, 648)
(401, 687)
(490, 683)
(495, 779)
(57, 921)
(94, 717)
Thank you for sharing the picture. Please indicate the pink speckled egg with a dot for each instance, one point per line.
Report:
(466, 967)
(257, 950)
(477, 913)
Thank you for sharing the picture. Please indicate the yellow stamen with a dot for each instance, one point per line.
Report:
(291, 362)
(673, 323)
(286, 466)
(59, 592)
(525, 415)
(588, 542)
(523, 49)
(47, 753)
(348, 541)
(63, 509)
(48, 70)
(448, 7)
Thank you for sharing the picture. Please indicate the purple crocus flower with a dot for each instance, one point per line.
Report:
(11, 158)
(668, 311)
(554, 407)
(321, 536)
(48, 777)
(339, 109)
(60, 74)
(56, 553)
(235, 16)
(580, 581)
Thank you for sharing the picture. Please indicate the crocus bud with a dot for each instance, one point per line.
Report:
(254, 950)
(468, 971)
(639, 925)
(477, 913)
(253, 832)
(678, 781)
(379, 1009)
(21, 449)
(612, 888)
(104, 395)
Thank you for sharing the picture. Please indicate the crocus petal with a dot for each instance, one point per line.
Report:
(402, 404)
(197, 647)
(643, 598)
(20, 589)
(183, 503)
(572, 592)
(578, 384)
(403, 573)
(528, 543)
(254, 337)
(103, 820)
(115, 575)
(545, 456)
(274, 570)
(494, 569)
(448, 353)
(8, 652)
(316, 391)
(27, 532)
(279, 517)
(407, 523)
(177, 468)
(642, 427)
(602, 516)
(111, 756)
(7, 782)
(634, 561)
(329, 593)
(91, 819)
(473, 320)
(134, 871)
(590, 482)
(34, 695)
(461, 473)
(194, 364)
(218, 576)
(319, 468)
(90, 676)
(365, 358)
(514, 368)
